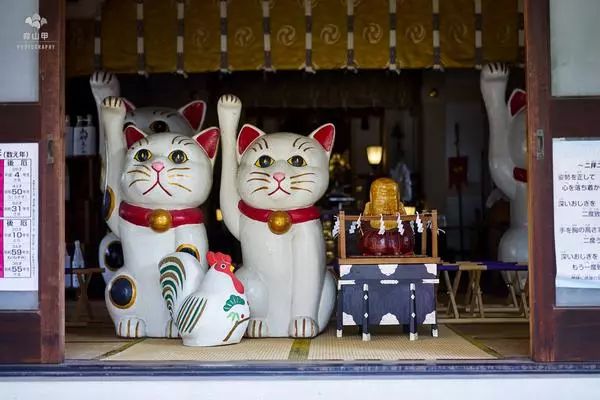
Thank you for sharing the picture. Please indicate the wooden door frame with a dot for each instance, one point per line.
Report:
(38, 336)
(557, 333)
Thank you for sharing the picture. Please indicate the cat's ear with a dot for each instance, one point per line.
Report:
(248, 134)
(129, 106)
(208, 139)
(194, 113)
(132, 135)
(325, 135)
(517, 102)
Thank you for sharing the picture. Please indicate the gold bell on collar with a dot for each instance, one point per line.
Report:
(279, 222)
(160, 220)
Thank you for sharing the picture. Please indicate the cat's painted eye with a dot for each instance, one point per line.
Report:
(159, 127)
(142, 155)
(297, 161)
(178, 157)
(264, 162)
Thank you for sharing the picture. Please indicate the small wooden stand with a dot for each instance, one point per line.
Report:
(388, 290)
(428, 218)
(84, 275)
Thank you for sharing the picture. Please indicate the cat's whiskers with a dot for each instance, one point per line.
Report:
(178, 175)
(178, 169)
(259, 179)
(138, 180)
(299, 188)
(180, 185)
(260, 188)
(304, 174)
(296, 182)
(142, 166)
(138, 171)
(260, 173)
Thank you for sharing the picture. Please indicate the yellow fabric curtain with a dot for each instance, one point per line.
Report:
(202, 35)
(287, 34)
(259, 34)
(414, 32)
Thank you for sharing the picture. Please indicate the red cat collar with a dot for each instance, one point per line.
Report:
(280, 222)
(159, 220)
(520, 174)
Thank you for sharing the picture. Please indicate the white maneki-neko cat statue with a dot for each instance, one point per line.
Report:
(508, 157)
(186, 121)
(269, 185)
(155, 185)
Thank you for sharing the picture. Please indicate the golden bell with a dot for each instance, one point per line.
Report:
(160, 220)
(279, 222)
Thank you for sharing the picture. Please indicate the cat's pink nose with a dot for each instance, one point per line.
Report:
(158, 166)
(279, 176)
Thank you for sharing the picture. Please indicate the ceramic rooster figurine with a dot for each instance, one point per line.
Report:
(214, 312)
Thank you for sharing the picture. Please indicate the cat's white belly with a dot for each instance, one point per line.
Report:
(268, 272)
(269, 257)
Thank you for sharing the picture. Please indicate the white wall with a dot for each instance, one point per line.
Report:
(488, 387)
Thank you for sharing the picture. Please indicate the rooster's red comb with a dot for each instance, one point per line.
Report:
(217, 258)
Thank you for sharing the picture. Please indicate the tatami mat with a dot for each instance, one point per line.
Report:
(386, 346)
(90, 350)
(174, 350)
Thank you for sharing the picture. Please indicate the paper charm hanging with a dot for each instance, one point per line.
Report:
(412, 226)
(354, 225)
(400, 224)
(381, 225)
(419, 223)
(336, 227)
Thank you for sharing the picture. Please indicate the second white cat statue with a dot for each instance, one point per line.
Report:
(269, 185)
(155, 184)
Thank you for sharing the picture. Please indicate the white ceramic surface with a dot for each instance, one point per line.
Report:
(288, 287)
(158, 182)
(508, 150)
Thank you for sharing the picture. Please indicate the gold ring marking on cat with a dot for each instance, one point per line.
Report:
(160, 220)
(130, 301)
(279, 222)
(189, 248)
(111, 203)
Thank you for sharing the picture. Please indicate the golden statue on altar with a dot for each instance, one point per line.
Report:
(384, 199)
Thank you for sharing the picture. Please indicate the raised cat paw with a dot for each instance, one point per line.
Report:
(104, 84)
(257, 328)
(171, 330)
(113, 105)
(103, 79)
(230, 101)
(303, 327)
(495, 71)
(131, 328)
(112, 102)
